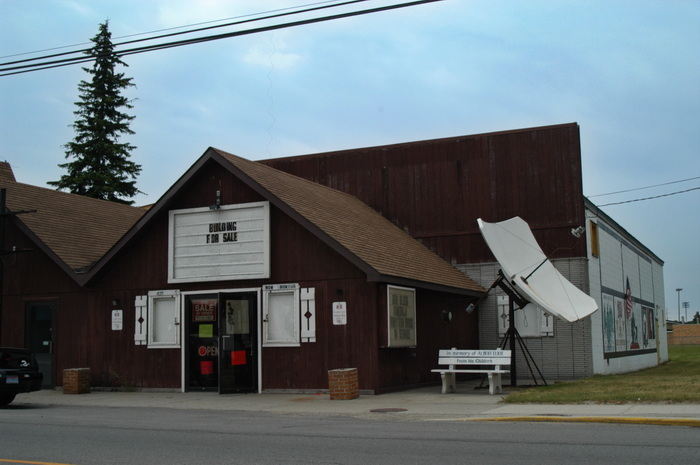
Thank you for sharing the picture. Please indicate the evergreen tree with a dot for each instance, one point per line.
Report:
(101, 167)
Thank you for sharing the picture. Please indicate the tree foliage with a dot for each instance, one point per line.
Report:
(101, 165)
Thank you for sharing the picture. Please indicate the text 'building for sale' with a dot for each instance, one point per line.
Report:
(262, 276)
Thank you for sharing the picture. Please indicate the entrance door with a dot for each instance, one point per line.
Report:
(221, 352)
(237, 342)
(39, 337)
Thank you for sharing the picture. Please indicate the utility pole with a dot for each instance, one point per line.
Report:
(685, 307)
(678, 290)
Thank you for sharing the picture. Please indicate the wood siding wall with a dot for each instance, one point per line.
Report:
(437, 189)
(401, 367)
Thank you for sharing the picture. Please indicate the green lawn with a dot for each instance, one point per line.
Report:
(678, 380)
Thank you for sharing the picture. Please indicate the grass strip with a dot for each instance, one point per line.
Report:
(676, 381)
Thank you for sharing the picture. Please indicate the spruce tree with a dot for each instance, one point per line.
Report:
(101, 167)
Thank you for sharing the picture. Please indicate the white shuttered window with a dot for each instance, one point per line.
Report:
(163, 319)
(281, 315)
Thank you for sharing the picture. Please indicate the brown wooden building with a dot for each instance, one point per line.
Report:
(240, 278)
(265, 275)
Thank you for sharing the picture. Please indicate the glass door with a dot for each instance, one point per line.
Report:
(237, 342)
(202, 356)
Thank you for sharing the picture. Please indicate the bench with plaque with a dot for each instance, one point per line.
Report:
(488, 362)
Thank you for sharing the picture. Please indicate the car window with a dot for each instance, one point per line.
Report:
(14, 360)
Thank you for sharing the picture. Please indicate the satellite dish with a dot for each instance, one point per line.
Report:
(534, 276)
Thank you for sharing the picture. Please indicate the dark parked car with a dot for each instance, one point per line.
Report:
(19, 372)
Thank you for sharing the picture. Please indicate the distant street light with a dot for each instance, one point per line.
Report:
(679, 302)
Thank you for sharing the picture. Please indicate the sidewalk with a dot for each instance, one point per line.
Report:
(425, 404)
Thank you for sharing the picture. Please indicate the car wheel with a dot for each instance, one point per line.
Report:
(6, 398)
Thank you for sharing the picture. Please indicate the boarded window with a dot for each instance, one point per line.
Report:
(281, 315)
(595, 246)
(164, 319)
(402, 316)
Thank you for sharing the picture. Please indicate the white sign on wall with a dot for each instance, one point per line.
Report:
(117, 320)
(340, 313)
(228, 243)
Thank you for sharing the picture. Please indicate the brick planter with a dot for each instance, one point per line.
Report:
(343, 384)
(76, 380)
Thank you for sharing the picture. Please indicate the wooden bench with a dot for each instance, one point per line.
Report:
(455, 359)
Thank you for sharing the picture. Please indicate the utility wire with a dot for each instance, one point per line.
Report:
(649, 198)
(71, 61)
(171, 28)
(85, 50)
(645, 187)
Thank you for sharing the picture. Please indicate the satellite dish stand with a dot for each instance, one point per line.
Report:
(512, 335)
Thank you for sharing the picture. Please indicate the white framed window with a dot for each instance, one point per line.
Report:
(164, 319)
(531, 321)
(281, 320)
(401, 316)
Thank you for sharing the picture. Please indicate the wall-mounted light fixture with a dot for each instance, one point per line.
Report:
(578, 232)
(217, 202)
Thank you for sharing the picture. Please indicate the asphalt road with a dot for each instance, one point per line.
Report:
(99, 435)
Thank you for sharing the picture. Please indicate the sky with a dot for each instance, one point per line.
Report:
(628, 72)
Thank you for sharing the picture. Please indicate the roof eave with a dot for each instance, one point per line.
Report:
(296, 216)
(47, 250)
(425, 285)
(145, 219)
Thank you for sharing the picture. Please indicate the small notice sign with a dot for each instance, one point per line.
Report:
(204, 310)
(117, 320)
(340, 314)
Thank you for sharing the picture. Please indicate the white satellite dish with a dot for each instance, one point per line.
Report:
(534, 276)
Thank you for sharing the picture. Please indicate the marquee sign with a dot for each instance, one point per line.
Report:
(231, 242)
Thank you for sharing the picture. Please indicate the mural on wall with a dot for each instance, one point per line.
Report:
(627, 325)
(608, 323)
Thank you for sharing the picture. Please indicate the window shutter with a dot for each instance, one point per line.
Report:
(140, 323)
(547, 324)
(503, 317)
(308, 314)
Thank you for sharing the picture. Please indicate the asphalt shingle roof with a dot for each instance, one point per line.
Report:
(78, 229)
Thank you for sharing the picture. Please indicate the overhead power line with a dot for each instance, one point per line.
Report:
(645, 187)
(71, 61)
(162, 36)
(649, 198)
(172, 28)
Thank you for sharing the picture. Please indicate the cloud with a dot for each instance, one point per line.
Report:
(79, 8)
(274, 59)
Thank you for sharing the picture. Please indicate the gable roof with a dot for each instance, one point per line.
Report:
(74, 230)
(368, 240)
(386, 251)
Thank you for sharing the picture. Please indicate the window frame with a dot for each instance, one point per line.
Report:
(162, 295)
(389, 287)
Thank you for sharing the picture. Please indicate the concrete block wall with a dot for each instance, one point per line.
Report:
(565, 355)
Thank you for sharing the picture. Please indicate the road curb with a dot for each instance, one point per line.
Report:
(625, 420)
